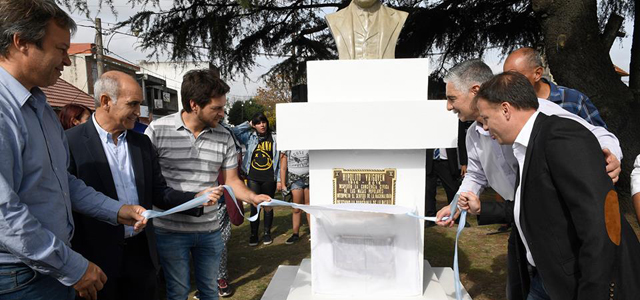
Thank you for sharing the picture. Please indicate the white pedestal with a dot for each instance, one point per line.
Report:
(294, 283)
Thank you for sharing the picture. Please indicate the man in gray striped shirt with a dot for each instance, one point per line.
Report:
(193, 150)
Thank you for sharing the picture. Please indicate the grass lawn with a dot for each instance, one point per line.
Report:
(482, 257)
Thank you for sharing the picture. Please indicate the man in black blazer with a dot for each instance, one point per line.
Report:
(121, 163)
(447, 169)
(572, 240)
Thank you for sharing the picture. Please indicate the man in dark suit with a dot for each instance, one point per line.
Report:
(121, 163)
(572, 241)
(443, 164)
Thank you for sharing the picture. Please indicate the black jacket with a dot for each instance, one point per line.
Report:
(580, 241)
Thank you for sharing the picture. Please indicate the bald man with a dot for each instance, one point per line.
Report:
(121, 163)
(528, 62)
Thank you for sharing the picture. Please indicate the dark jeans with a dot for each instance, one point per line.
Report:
(18, 281)
(441, 169)
(267, 188)
(537, 290)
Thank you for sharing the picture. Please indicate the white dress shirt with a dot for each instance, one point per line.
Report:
(519, 151)
(119, 160)
(635, 177)
(494, 165)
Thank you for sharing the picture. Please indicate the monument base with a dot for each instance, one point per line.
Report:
(294, 283)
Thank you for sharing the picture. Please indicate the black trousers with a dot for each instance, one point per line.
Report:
(441, 169)
(267, 188)
(138, 277)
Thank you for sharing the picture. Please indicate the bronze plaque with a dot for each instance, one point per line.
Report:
(364, 186)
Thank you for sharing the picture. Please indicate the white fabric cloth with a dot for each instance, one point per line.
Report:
(520, 151)
(635, 177)
(492, 164)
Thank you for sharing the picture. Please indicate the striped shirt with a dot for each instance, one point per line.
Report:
(191, 164)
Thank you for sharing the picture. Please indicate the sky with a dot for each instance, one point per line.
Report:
(126, 47)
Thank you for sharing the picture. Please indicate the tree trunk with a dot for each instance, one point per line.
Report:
(579, 59)
(634, 66)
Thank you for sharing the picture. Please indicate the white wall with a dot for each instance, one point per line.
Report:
(76, 74)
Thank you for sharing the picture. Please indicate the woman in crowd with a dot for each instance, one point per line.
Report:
(294, 170)
(261, 165)
(73, 114)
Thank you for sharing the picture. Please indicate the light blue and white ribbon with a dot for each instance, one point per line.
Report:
(198, 201)
(462, 220)
(310, 208)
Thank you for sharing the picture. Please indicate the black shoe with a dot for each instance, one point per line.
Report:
(266, 238)
(294, 238)
(224, 290)
(253, 240)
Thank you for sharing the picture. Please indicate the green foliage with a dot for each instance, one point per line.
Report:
(231, 34)
(242, 111)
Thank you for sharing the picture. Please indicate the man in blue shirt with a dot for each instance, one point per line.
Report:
(528, 62)
(37, 194)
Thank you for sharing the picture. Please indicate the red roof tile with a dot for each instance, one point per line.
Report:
(63, 93)
(88, 48)
(80, 48)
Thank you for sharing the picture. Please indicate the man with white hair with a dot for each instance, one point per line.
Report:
(121, 163)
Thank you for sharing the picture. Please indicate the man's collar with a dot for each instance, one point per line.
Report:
(480, 129)
(525, 133)
(553, 88)
(179, 123)
(17, 90)
(104, 135)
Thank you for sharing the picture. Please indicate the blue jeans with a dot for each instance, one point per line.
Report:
(299, 185)
(537, 290)
(18, 281)
(174, 249)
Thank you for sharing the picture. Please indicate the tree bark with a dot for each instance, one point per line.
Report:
(579, 59)
(612, 30)
(634, 66)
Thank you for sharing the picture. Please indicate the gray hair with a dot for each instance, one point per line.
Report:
(534, 58)
(467, 73)
(28, 19)
(106, 85)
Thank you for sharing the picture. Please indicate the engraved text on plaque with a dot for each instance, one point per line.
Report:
(364, 186)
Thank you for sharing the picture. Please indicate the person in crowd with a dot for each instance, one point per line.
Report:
(294, 171)
(224, 287)
(37, 194)
(261, 163)
(572, 240)
(635, 186)
(528, 62)
(121, 163)
(193, 150)
(73, 115)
